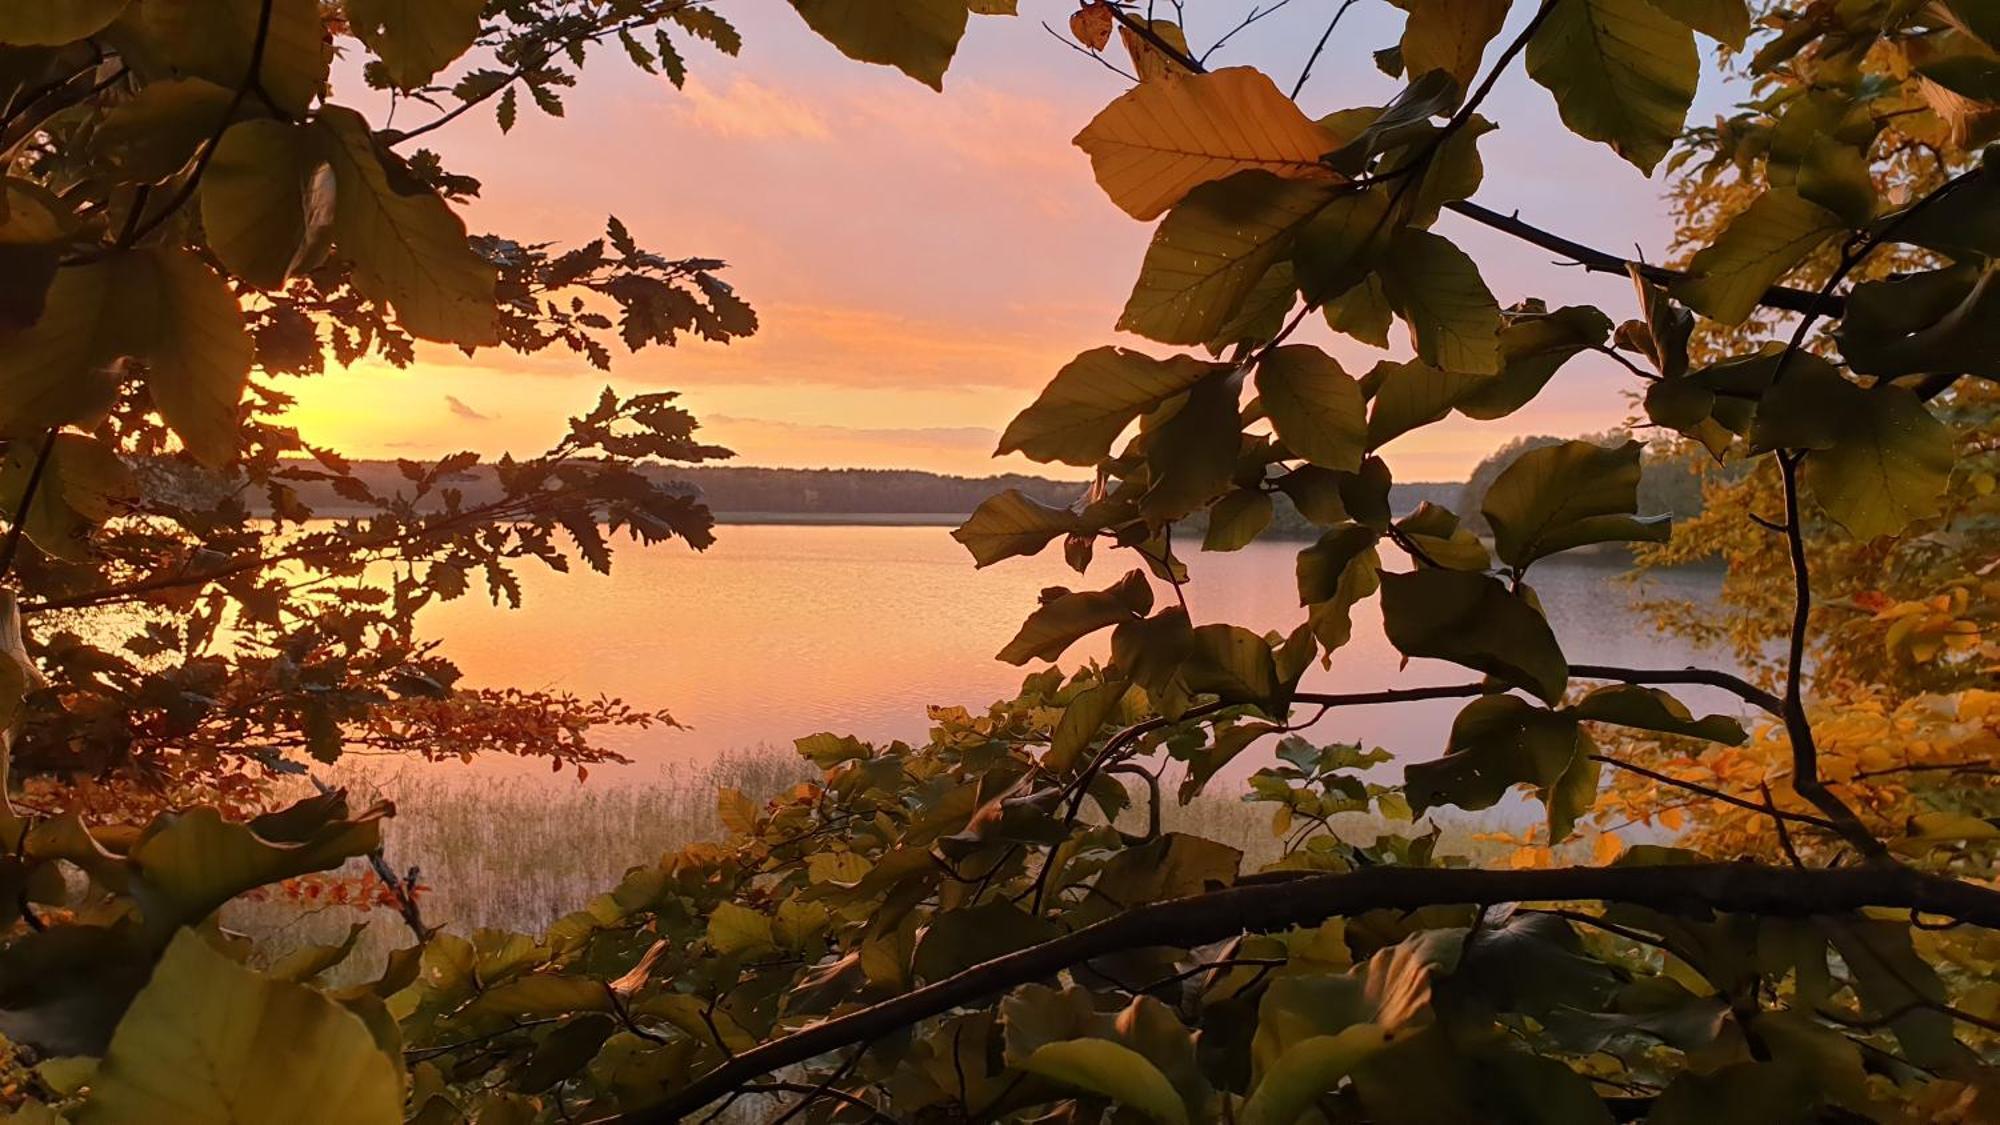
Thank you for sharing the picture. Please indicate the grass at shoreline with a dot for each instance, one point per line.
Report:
(517, 853)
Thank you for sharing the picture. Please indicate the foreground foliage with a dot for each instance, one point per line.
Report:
(994, 926)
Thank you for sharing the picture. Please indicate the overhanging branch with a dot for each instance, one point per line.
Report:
(1598, 261)
(1737, 888)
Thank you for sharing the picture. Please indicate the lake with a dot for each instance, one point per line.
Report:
(783, 630)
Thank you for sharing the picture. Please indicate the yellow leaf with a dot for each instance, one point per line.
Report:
(736, 929)
(208, 1040)
(1159, 140)
(738, 812)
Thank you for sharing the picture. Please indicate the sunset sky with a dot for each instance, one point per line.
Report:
(923, 262)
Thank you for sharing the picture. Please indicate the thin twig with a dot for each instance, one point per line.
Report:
(12, 546)
(251, 79)
(1306, 72)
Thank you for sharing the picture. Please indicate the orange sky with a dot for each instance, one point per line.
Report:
(922, 263)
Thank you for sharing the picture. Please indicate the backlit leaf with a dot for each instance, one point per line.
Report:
(917, 37)
(1761, 245)
(1454, 320)
(1235, 521)
(1651, 709)
(1500, 741)
(1012, 523)
(1567, 495)
(267, 202)
(50, 23)
(1093, 398)
(1066, 617)
(1211, 250)
(208, 1040)
(1622, 72)
(1472, 619)
(1159, 140)
(1450, 35)
(214, 39)
(1306, 1070)
(1113, 1071)
(409, 250)
(1315, 407)
(1726, 21)
(415, 38)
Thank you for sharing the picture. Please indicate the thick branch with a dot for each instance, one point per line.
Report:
(1200, 919)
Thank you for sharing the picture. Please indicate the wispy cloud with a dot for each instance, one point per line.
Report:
(745, 109)
(459, 409)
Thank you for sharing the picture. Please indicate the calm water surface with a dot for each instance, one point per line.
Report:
(781, 631)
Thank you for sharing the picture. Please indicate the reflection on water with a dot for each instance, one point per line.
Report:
(780, 631)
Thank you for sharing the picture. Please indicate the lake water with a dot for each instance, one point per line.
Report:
(780, 631)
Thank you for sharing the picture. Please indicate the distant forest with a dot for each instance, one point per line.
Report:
(741, 492)
(746, 494)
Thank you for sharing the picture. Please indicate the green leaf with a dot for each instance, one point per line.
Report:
(1622, 72)
(1532, 349)
(1087, 711)
(1557, 497)
(53, 23)
(1362, 312)
(1436, 288)
(1212, 249)
(267, 202)
(734, 929)
(1066, 617)
(1308, 1069)
(1726, 21)
(1410, 395)
(917, 37)
(1174, 866)
(1012, 523)
(83, 484)
(1891, 978)
(214, 39)
(1472, 619)
(1093, 398)
(1191, 453)
(208, 1040)
(1889, 464)
(1322, 568)
(1235, 521)
(187, 864)
(155, 133)
(415, 38)
(1315, 407)
(1728, 277)
(1113, 1071)
(1940, 320)
(1150, 652)
(1450, 35)
(33, 231)
(407, 249)
(957, 940)
(1342, 245)
(1646, 708)
(544, 995)
(1236, 664)
(198, 356)
(1443, 540)
(1500, 741)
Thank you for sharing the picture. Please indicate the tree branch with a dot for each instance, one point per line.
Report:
(1200, 919)
(12, 546)
(1598, 261)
